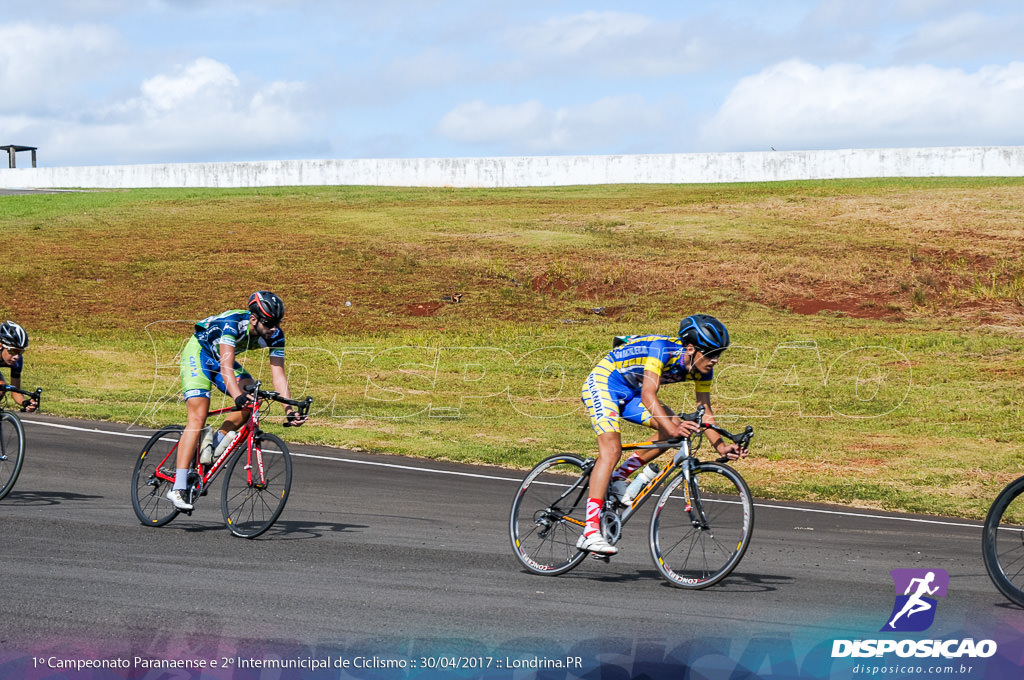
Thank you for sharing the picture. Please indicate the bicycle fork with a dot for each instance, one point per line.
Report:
(691, 494)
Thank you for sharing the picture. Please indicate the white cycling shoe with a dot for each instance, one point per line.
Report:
(596, 544)
(179, 498)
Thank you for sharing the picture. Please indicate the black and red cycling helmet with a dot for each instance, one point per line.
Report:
(267, 307)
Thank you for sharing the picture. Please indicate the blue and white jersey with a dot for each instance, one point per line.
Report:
(232, 328)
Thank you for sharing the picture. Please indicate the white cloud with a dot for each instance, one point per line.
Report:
(200, 111)
(581, 33)
(203, 84)
(608, 125)
(797, 105)
(963, 36)
(47, 66)
(617, 43)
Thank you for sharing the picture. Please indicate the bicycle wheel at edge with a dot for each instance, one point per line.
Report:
(689, 553)
(544, 537)
(250, 508)
(1003, 542)
(12, 451)
(149, 492)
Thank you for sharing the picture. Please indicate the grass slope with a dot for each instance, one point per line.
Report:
(877, 322)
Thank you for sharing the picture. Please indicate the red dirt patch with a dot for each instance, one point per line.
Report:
(543, 283)
(423, 308)
(860, 308)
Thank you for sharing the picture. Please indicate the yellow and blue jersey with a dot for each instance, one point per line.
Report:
(625, 365)
(612, 390)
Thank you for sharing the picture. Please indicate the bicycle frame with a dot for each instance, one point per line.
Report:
(683, 462)
(699, 530)
(244, 438)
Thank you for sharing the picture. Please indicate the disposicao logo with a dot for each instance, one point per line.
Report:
(916, 590)
(914, 611)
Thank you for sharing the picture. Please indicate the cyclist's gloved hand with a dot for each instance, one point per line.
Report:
(730, 452)
(243, 401)
(293, 419)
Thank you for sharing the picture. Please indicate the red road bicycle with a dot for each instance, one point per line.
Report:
(259, 473)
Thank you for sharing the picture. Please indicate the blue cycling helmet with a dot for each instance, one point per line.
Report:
(704, 332)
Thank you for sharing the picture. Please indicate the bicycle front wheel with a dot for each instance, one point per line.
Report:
(700, 530)
(154, 476)
(257, 485)
(549, 514)
(1003, 542)
(12, 451)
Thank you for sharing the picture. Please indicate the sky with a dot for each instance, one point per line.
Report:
(102, 82)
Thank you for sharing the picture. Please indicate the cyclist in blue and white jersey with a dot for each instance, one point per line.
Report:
(209, 359)
(13, 342)
(625, 384)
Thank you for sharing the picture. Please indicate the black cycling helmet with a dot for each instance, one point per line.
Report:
(267, 307)
(12, 335)
(704, 332)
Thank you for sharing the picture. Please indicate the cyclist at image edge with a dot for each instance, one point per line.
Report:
(209, 359)
(628, 378)
(13, 342)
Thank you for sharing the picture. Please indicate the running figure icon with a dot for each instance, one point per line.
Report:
(915, 604)
(919, 588)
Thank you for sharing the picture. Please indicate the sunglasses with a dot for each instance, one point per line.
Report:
(14, 351)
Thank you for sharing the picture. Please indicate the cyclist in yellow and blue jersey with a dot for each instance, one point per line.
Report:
(209, 360)
(625, 384)
(13, 343)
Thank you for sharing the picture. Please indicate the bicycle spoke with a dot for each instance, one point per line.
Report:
(252, 501)
(12, 451)
(547, 516)
(697, 543)
(1003, 542)
(152, 478)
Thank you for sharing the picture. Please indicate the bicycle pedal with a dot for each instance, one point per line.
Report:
(604, 558)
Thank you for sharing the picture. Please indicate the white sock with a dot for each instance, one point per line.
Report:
(180, 479)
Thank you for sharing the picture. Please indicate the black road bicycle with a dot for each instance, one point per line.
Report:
(12, 439)
(1002, 542)
(699, 530)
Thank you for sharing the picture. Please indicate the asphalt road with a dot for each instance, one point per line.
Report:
(405, 557)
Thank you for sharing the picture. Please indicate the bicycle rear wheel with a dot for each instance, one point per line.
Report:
(700, 530)
(149, 491)
(257, 485)
(12, 451)
(548, 515)
(1003, 542)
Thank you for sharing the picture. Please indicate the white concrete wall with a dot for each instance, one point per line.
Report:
(525, 171)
